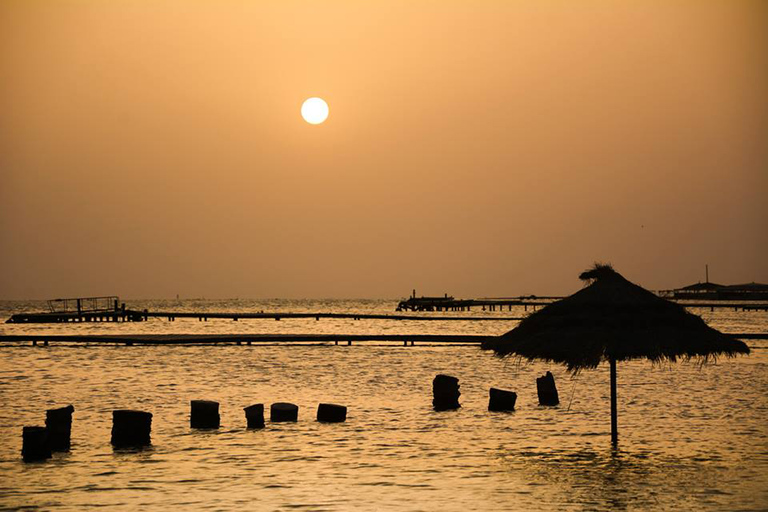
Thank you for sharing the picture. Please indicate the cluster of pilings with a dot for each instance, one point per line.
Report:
(132, 429)
(205, 414)
(38, 443)
(445, 394)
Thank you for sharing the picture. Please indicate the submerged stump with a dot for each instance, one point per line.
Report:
(283, 411)
(501, 400)
(59, 425)
(204, 414)
(331, 413)
(445, 393)
(254, 415)
(35, 444)
(131, 428)
(545, 386)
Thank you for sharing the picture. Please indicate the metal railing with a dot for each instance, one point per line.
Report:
(84, 304)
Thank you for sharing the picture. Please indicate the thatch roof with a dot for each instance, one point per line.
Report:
(613, 318)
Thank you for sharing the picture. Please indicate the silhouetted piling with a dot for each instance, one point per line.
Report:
(131, 428)
(254, 415)
(501, 400)
(35, 444)
(282, 411)
(59, 425)
(445, 393)
(204, 414)
(331, 413)
(547, 391)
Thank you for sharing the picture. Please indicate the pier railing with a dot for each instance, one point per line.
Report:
(84, 304)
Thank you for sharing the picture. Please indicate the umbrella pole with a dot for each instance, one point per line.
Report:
(614, 414)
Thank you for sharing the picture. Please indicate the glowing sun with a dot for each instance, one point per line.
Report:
(314, 110)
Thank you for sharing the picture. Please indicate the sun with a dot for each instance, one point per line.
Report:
(314, 110)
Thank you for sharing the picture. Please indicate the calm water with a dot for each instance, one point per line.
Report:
(691, 437)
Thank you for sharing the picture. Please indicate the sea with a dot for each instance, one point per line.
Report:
(691, 436)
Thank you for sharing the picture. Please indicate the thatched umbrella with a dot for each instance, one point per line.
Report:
(613, 320)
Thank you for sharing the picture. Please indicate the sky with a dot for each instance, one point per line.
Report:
(475, 148)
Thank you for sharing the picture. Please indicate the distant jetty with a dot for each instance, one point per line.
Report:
(110, 309)
(448, 303)
(45, 339)
(727, 297)
(714, 291)
(81, 309)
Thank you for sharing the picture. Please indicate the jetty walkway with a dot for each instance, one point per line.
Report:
(533, 302)
(127, 315)
(109, 309)
(264, 339)
(240, 339)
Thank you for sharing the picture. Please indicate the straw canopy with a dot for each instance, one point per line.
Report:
(613, 319)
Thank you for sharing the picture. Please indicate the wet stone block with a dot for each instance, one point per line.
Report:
(445, 393)
(283, 411)
(501, 400)
(35, 445)
(59, 425)
(254, 415)
(545, 386)
(131, 428)
(331, 413)
(204, 414)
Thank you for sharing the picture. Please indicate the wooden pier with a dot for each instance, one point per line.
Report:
(264, 339)
(109, 309)
(139, 316)
(447, 303)
(534, 302)
(240, 339)
(80, 309)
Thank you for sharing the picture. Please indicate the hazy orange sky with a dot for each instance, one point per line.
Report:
(149, 148)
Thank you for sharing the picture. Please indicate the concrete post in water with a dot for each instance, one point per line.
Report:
(35, 445)
(59, 425)
(501, 400)
(331, 413)
(282, 411)
(445, 393)
(546, 389)
(204, 414)
(131, 428)
(254, 415)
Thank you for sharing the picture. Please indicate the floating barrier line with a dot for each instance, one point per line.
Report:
(212, 339)
(128, 315)
(193, 339)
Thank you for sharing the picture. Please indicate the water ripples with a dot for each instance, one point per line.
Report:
(691, 437)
